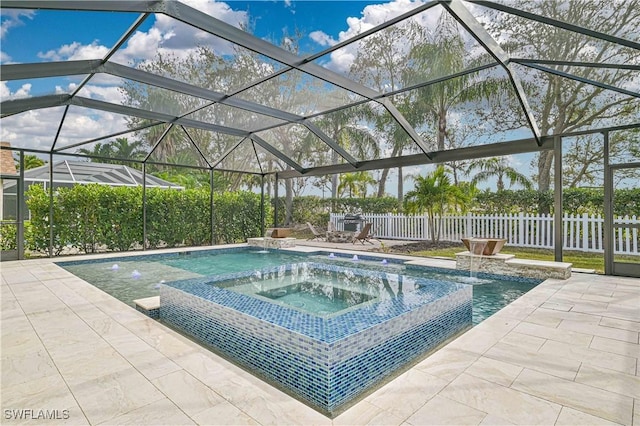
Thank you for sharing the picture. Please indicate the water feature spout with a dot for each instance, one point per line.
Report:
(476, 248)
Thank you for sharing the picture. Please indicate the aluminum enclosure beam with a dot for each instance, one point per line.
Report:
(189, 89)
(267, 146)
(150, 115)
(559, 24)
(330, 142)
(48, 69)
(490, 150)
(17, 106)
(471, 24)
(93, 5)
(583, 80)
(523, 61)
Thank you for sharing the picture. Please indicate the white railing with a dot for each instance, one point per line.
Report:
(580, 232)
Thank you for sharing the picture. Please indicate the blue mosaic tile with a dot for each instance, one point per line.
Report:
(324, 361)
(153, 313)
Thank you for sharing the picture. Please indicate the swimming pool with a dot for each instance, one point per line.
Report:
(136, 277)
(322, 327)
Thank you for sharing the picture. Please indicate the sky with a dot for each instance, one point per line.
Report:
(41, 36)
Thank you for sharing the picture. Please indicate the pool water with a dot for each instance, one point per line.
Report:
(313, 291)
(140, 276)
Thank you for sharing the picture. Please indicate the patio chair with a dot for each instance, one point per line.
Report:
(331, 227)
(316, 235)
(365, 234)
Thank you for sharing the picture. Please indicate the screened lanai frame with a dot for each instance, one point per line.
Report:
(304, 65)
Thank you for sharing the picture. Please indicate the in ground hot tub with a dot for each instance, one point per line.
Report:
(324, 333)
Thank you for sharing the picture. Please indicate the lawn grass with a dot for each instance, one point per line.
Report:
(577, 258)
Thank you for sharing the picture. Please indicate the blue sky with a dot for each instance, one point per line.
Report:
(35, 36)
(40, 36)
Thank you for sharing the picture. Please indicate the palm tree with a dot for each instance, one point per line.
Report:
(444, 55)
(122, 148)
(344, 128)
(379, 64)
(356, 183)
(435, 195)
(31, 162)
(498, 168)
(99, 150)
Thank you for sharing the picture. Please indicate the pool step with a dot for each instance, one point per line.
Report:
(149, 306)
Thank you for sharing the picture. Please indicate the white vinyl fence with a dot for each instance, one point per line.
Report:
(583, 233)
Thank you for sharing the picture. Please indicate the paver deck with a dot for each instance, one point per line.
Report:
(565, 353)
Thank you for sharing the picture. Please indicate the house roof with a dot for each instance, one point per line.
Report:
(83, 172)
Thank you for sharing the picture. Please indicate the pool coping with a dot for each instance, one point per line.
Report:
(550, 355)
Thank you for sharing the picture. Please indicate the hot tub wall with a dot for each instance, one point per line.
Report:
(329, 372)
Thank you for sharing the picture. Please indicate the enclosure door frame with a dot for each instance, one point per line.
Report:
(611, 266)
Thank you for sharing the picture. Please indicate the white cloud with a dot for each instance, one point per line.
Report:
(35, 129)
(372, 16)
(75, 52)
(171, 37)
(112, 94)
(4, 57)
(6, 94)
(31, 129)
(167, 36)
(13, 18)
(322, 38)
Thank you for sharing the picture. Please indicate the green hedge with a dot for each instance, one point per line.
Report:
(574, 201)
(92, 216)
(8, 237)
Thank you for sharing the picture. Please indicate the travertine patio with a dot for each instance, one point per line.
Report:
(565, 353)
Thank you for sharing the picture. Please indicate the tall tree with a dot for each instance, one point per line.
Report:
(344, 127)
(442, 55)
(563, 105)
(583, 161)
(378, 64)
(355, 184)
(31, 162)
(498, 168)
(103, 151)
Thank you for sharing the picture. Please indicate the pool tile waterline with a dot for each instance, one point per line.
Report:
(325, 361)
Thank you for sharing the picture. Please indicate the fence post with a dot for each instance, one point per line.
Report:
(585, 231)
(468, 231)
(521, 229)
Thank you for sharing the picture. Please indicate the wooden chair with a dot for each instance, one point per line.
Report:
(316, 235)
(364, 235)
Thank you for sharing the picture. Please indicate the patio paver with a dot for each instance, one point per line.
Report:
(565, 353)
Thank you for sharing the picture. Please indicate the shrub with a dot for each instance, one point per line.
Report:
(93, 216)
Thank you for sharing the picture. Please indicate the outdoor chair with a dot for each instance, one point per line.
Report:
(331, 227)
(365, 234)
(316, 235)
